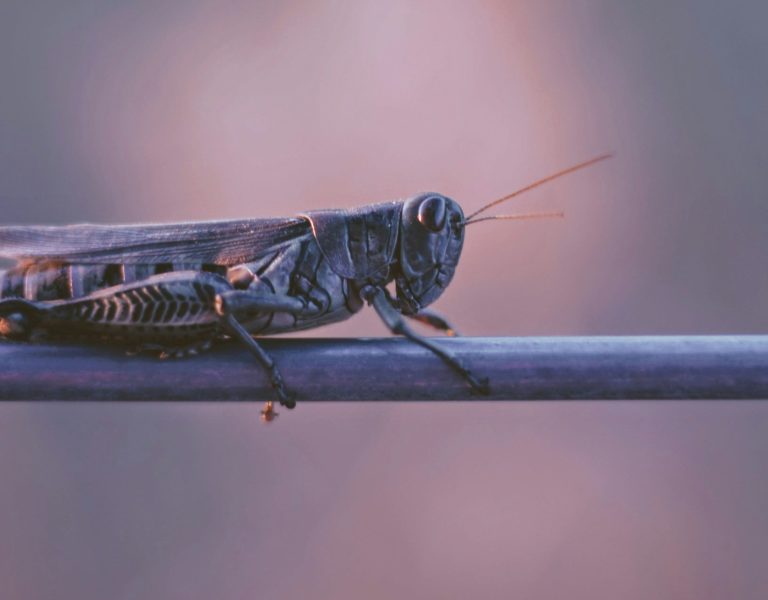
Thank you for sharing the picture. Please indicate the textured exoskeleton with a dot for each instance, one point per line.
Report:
(182, 285)
(171, 287)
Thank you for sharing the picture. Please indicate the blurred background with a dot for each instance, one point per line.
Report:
(193, 109)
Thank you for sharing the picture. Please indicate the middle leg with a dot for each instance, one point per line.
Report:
(231, 303)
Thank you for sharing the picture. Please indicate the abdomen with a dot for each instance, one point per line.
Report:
(171, 307)
(46, 281)
(149, 303)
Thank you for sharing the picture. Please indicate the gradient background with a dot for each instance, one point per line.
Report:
(190, 109)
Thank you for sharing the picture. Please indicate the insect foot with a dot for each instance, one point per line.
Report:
(17, 319)
(14, 326)
(479, 384)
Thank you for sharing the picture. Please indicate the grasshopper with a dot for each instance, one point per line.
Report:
(175, 288)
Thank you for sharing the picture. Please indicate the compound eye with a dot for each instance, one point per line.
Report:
(432, 213)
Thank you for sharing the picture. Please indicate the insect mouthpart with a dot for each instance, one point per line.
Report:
(407, 302)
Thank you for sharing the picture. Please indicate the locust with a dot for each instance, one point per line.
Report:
(176, 288)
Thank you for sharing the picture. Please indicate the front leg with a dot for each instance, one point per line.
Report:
(396, 323)
(427, 317)
(435, 320)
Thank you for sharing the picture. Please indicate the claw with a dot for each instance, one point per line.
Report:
(481, 385)
(286, 399)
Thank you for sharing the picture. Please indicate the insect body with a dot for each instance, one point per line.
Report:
(180, 286)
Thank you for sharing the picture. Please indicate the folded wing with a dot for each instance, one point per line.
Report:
(216, 242)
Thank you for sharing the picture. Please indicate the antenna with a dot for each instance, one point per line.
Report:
(535, 184)
(541, 215)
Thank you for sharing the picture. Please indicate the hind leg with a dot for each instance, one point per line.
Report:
(14, 326)
(17, 318)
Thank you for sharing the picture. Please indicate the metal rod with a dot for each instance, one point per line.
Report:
(552, 368)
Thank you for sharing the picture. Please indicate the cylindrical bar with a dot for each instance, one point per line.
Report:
(525, 368)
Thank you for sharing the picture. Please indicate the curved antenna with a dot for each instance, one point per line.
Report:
(540, 215)
(538, 183)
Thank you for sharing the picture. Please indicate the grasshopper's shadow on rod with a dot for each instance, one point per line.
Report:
(174, 288)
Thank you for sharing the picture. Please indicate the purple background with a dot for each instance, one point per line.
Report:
(185, 110)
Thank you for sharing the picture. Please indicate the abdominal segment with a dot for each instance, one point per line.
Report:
(173, 306)
(52, 280)
(170, 303)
